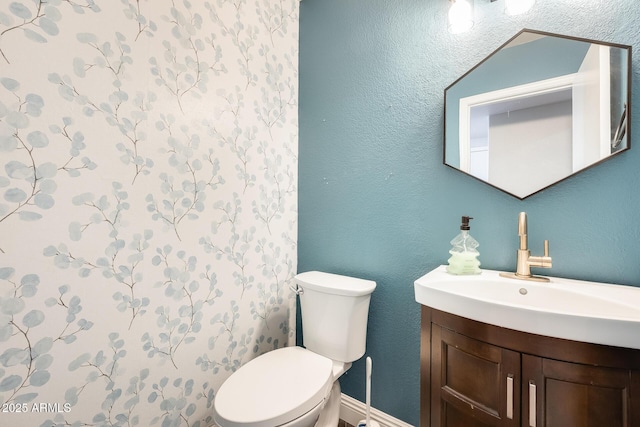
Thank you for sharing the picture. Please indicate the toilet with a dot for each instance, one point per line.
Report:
(298, 386)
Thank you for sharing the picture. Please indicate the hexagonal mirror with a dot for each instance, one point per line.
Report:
(538, 110)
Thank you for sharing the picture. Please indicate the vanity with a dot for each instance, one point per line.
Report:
(505, 352)
(498, 350)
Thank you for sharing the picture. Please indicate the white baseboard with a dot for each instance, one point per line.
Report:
(352, 411)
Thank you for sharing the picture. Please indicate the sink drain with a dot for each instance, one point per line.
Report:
(523, 291)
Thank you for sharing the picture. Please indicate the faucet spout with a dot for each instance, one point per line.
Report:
(524, 258)
(522, 230)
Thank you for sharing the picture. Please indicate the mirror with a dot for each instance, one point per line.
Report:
(539, 109)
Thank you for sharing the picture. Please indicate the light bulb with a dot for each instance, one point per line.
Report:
(460, 16)
(516, 7)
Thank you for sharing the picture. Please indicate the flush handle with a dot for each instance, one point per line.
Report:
(296, 289)
(510, 396)
(532, 404)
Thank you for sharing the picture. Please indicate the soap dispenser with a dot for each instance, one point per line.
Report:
(464, 255)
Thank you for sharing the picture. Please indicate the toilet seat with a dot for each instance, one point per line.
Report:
(274, 388)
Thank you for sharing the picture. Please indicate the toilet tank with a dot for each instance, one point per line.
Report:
(334, 310)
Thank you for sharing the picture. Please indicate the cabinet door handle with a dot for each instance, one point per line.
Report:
(532, 404)
(510, 396)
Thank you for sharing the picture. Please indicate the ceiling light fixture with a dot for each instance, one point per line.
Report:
(460, 16)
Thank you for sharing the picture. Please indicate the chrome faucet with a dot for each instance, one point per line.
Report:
(525, 260)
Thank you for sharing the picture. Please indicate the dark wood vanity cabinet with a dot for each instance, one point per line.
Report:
(473, 383)
(478, 375)
(571, 394)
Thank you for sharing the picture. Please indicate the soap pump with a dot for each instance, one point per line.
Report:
(464, 255)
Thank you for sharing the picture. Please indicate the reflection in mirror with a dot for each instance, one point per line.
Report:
(539, 109)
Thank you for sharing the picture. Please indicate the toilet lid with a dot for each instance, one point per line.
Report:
(273, 389)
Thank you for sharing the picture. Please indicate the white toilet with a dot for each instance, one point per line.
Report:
(295, 386)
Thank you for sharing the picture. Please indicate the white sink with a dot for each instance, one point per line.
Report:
(563, 308)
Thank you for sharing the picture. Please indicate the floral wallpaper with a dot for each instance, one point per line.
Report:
(148, 204)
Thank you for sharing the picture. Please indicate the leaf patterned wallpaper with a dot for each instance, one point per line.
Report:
(148, 204)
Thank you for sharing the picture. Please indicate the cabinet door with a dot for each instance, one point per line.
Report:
(562, 394)
(473, 384)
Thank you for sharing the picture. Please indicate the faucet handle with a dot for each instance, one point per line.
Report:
(544, 261)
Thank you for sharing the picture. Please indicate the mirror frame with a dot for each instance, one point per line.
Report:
(627, 113)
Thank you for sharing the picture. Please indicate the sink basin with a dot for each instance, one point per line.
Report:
(563, 308)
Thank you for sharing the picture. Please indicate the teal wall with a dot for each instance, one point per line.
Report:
(375, 200)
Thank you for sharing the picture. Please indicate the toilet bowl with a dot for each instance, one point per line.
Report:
(296, 386)
(291, 387)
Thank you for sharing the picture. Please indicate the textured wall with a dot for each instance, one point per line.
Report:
(148, 204)
(375, 200)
